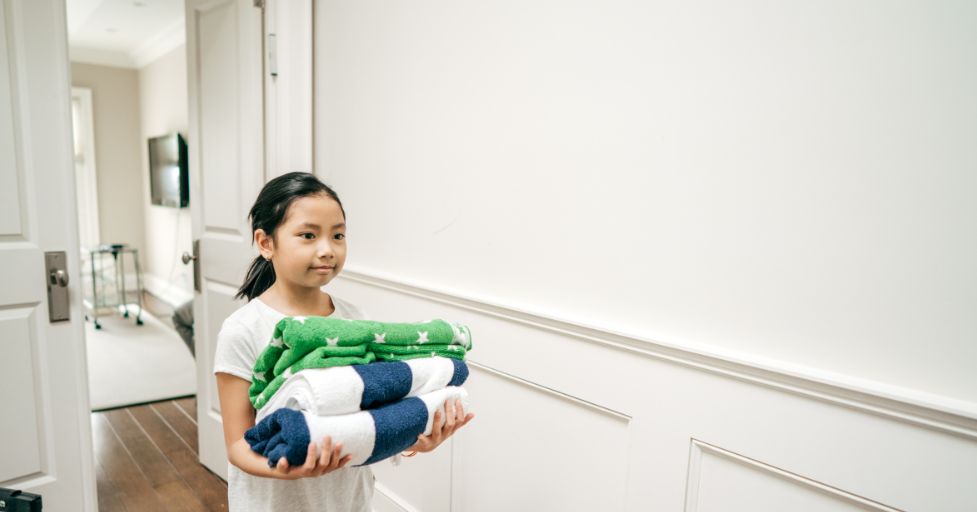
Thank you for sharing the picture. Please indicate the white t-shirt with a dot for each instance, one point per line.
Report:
(243, 336)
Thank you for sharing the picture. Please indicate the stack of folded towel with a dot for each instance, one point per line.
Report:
(320, 376)
(300, 343)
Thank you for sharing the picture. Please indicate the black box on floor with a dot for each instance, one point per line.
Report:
(12, 500)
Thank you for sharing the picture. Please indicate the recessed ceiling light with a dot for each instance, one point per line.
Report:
(110, 30)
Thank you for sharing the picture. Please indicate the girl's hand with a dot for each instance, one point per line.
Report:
(328, 461)
(456, 419)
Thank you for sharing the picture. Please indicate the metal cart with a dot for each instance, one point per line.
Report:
(100, 298)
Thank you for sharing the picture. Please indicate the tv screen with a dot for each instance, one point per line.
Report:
(169, 181)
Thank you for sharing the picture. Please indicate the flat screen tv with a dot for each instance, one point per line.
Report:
(169, 180)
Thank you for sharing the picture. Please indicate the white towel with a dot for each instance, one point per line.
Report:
(348, 389)
(368, 436)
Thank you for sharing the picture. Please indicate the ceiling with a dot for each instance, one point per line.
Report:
(124, 33)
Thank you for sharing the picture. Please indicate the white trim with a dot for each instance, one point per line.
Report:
(87, 183)
(100, 57)
(552, 393)
(162, 43)
(927, 409)
(385, 500)
(166, 291)
(698, 448)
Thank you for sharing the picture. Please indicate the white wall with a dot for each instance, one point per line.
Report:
(786, 182)
(715, 256)
(163, 108)
(115, 109)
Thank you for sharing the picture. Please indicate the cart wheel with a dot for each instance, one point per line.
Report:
(98, 326)
(126, 314)
(139, 321)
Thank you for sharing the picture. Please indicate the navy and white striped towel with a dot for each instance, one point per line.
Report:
(369, 436)
(348, 389)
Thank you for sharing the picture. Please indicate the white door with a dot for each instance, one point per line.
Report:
(288, 86)
(224, 59)
(45, 424)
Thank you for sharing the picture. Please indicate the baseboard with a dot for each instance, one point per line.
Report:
(167, 291)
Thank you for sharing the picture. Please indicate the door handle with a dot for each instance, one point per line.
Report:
(58, 305)
(59, 278)
(195, 258)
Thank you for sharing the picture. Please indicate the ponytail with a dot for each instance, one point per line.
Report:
(260, 277)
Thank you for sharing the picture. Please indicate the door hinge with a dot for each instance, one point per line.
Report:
(260, 4)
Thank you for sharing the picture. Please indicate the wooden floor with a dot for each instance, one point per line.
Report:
(146, 460)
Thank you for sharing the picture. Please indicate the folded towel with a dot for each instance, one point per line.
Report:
(368, 436)
(294, 337)
(398, 352)
(348, 389)
(318, 358)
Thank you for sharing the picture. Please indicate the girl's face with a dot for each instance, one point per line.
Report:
(309, 248)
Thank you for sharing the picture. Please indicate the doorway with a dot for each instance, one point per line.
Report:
(129, 99)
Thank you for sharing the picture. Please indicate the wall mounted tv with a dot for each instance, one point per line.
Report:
(169, 180)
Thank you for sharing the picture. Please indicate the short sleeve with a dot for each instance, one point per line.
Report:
(350, 310)
(235, 354)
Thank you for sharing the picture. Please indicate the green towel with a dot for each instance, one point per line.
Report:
(405, 357)
(260, 391)
(300, 335)
(407, 350)
(298, 331)
(332, 341)
(266, 367)
(432, 332)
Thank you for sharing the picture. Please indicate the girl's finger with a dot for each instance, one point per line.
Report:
(282, 464)
(310, 458)
(436, 423)
(337, 455)
(326, 451)
(460, 411)
(449, 424)
(435, 436)
(449, 413)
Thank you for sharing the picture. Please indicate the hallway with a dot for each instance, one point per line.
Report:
(146, 459)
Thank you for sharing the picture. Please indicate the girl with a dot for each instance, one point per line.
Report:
(299, 228)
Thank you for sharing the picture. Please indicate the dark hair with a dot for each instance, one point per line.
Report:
(268, 213)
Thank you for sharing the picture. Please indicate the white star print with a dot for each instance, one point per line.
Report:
(422, 337)
(458, 336)
(379, 338)
(332, 342)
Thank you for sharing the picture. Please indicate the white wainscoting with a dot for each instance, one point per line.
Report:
(571, 417)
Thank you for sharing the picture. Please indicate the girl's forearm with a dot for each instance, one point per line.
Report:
(241, 455)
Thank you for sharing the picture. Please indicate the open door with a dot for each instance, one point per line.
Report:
(226, 139)
(45, 423)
